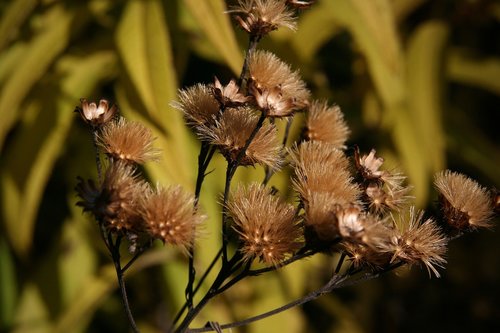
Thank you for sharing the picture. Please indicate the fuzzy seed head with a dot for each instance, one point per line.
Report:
(198, 105)
(128, 141)
(267, 226)
(116, 203)
(327, 124)
(170, 215)
(260, 17)
(231, 132)
(268, 73)
(464, 203)
(320, 167)
(419, 242)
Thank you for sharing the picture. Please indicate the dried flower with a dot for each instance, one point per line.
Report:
(369, 165)
(327, 124)
(267, 226)
(229, 96)
(96, 115)
(364, 256)
(170, 215)
(116, 202)
(272, 102)
(128, 141)
(268, 72)
(464, 203)
(420, 243)
(260, 17)
(233, 130)
(382, 197)
(198, 105)
(320, 167)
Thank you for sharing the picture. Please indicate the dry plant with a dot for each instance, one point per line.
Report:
(346, 202)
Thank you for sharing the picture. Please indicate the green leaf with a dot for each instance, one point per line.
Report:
(482, 73)
(425, 56)
(8, 286)
(216, 26)
(144, 47)
(31, 314)
(51, 39)
(12, 19)
(40, 138)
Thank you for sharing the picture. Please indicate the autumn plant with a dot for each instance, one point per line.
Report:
(346, 204)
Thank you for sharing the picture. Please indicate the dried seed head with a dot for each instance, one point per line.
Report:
(116, 202)
(96, 115)
(362, 255)
(128, 141)
(419, 242)
(267, 226)
(320, 221)
(327, 124)
(464, 203)
(229, 95)
(198, 105)
(382, 198)
(260, 17)
(170, 215)
(233, 130)
(320, 167)
(268, 72)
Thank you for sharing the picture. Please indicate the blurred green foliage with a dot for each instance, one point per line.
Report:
(417, 79)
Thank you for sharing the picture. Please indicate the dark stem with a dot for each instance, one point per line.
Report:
(270, 171)
(115, 254)
(97, 155)
(202, 279)
(339, 264)
(224, 273)
(252, 45)
(231, 169)
(337, 281)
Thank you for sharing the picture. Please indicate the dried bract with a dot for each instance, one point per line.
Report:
(465, 205)
(267, 226)
(300, 4)
(128, 141)
(327, 124)
(260, 17)
(272, 102)
(233, 130)
(170, 215)
(229, 95)
(116, 203)
(96, 115)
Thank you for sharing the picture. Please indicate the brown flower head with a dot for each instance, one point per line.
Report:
(260, 17)
(322, 228)
(419, 242)
(96, 115)
(325, 123)
(170, 215)
(267, 226)
(382, 198)
(229, 96)
(320, 167)
(128, 141)
(464, 203)
(233, 130)
(362, 255)
(116, 202)
(198, 105)
(268, 72)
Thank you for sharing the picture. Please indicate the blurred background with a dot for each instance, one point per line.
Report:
(418, 80)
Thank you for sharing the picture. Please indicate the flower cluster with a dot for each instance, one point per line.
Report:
(122, 202)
